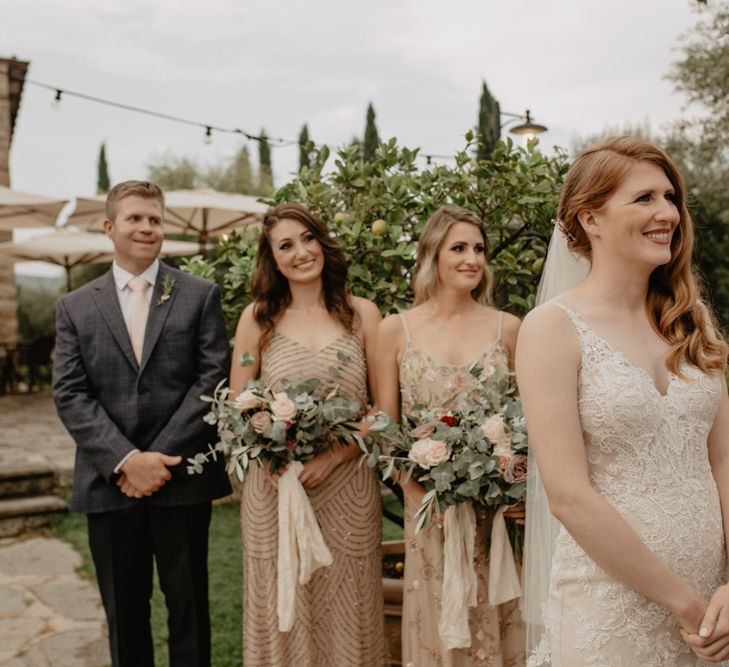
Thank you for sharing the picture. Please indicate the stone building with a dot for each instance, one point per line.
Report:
(12, 76)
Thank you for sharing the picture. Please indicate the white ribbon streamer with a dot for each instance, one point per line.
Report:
(504, 582)
(460, 584)
(301, 546)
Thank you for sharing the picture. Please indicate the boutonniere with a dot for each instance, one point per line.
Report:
(168, 284)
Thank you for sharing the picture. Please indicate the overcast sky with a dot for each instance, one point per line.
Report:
(579, 65)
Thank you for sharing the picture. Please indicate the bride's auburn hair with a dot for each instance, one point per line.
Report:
(674, 303)
(425, 274)
(270, 289)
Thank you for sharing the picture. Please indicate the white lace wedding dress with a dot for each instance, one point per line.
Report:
(647, 455)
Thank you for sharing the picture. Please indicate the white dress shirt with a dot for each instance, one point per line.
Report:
(121, 280)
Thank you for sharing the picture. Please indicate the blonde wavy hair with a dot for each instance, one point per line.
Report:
(425, 274)
(674, 304)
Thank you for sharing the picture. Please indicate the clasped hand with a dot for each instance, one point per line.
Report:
(145, 473)
(711, 642)
(316, 470)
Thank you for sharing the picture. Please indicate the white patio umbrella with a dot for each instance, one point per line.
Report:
(71, 247)
(202, 213)
(20, 209)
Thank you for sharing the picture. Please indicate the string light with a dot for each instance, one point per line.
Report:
(273, 142)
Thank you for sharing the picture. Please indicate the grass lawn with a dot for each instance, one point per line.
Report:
(225, 567)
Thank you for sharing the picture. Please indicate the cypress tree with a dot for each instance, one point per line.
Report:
(304, 160)
(103, 182)
(489, 126)
(371, 138)
(241, 172)
(265, 174)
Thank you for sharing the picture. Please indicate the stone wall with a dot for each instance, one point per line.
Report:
(9, 101)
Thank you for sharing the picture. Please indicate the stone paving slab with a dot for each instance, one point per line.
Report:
(50, 616)
(30, 431)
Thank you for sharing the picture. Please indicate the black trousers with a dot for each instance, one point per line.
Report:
(123, 544)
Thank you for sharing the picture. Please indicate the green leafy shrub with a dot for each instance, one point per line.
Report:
(377, 209)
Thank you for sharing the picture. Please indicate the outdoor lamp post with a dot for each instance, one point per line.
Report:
(527, 128)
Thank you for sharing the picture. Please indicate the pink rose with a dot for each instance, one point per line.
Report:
(260, 421)
(422, 431)
(283, 408)
(516, 471)
(493, 428)
(428, 453)
(247, 400)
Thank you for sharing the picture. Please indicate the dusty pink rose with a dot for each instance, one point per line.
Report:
(428, 453)
(260, 421)
(422, 431)
(247, 400)
(516, 471)
(283, 408)
(493, 428)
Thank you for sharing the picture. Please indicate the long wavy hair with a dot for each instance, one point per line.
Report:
(270, 289)
(674, 304)
(425, 274)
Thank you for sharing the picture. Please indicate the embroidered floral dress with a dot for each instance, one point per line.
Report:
(497, 633)
(647, 455)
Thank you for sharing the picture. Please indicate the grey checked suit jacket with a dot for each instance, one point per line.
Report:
(111, 405)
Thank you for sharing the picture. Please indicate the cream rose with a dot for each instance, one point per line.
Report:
(247, 400)
(428, 453)
(503, 464)
(503, 448)
(422, 431)
(260, 421)
(283, 408)
(493, 428)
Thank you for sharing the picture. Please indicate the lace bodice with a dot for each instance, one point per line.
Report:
(648, 457)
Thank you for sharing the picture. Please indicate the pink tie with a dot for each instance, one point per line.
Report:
(140, 310)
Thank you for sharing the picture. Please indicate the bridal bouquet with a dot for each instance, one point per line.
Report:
(281, 430)
(275, 428)
(475, 453)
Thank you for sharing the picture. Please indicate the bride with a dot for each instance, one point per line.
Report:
(622, 381)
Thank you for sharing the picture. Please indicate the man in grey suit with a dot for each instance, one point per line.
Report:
(135, 350)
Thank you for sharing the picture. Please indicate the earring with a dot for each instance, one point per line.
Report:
(567, 234)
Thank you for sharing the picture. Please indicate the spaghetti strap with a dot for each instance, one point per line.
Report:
(500, 325)
(404, 326)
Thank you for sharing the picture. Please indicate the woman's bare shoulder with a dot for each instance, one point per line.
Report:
(548, 328)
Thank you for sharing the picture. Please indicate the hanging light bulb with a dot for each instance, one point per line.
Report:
(56, 103)
(208, 135)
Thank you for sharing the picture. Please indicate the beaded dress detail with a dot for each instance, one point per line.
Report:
(339, 613)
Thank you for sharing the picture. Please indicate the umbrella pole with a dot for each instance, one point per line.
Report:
(68, 278)
(203, 241)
